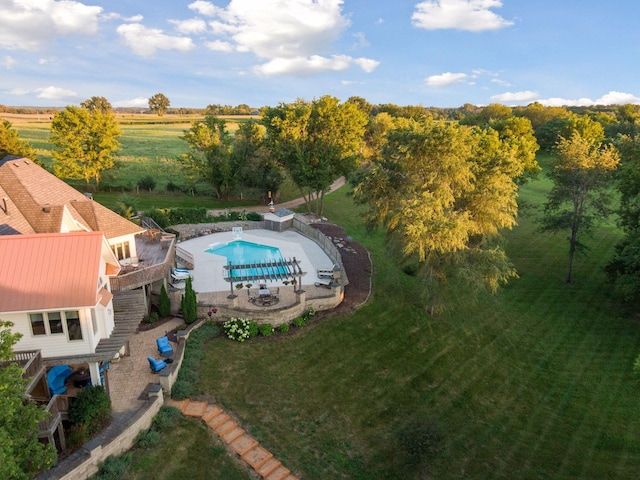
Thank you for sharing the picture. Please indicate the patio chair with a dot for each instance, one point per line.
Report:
(156, 365)
(163, 346)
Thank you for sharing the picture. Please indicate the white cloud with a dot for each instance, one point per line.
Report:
(18, 91)
(7, 62)
(313, 64)
(219, 46)
(361, 40)
(205, 8)
(471, 15)
(145, 41)
(56, 93)
(507, 97)
(132, 102)
(29, 25)
(290, 36)
(611, 98)
(193, 25)
(502, 83)
(445, 79)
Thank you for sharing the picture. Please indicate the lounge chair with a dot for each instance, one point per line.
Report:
(163, 346)
(325, 272)
(156, 365)
(325, 282)
(56, 376)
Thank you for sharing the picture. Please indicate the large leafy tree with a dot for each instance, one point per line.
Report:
(443, 192)
(624, 268)
(581, 174)
(258, 169)
(21, 454)
(210, 154)
(159, 104)
(316, 142)
(97, 104)
(84, 143)
(12, 144)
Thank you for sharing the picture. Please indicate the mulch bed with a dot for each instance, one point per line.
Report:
(357, 265)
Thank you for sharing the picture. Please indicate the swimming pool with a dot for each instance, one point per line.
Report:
(241, 252)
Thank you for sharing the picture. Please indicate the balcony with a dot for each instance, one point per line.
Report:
(156, 251)
(32, 366)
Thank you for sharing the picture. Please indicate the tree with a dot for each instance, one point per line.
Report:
(623, 269)
(581, 173)
(164, 307)
(84, 142)
(159, 104)
(22, 454)
(97, 104)
(12, 144)
(316, 142)
(189, 303)
(210, 154)
(443, 192)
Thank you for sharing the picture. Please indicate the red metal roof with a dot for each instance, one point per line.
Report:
(49, 271)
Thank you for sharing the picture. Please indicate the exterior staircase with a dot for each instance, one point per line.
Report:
(128, 310)
(261, 460)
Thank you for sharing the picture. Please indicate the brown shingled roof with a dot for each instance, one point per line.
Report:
(36, 201)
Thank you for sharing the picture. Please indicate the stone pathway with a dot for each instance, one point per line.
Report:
(129, 376)
(257, 457)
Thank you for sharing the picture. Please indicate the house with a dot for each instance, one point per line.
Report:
(55, 289)
(75, 277)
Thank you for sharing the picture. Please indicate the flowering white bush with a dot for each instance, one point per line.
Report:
(237, 328)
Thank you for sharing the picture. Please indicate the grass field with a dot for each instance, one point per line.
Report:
(150, 145)
(533, 383)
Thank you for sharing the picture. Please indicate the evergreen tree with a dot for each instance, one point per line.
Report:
(189, 303)
(164, 306)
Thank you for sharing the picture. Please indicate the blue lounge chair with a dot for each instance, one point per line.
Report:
(163, 346)
(156, 365)
(56, 376)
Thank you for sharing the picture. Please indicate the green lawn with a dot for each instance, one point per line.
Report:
(533, 383)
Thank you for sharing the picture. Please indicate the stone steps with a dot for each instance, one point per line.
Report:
(247, 447)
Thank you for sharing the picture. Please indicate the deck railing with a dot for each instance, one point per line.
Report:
(58, 405)
(30, 361)
(145, 275)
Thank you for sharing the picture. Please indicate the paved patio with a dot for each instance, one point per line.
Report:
(129, 377)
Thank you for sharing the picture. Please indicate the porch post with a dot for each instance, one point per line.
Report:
(94, 370)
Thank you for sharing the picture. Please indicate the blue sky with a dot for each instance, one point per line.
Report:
(441, 53)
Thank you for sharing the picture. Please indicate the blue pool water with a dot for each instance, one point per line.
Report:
(240, 252)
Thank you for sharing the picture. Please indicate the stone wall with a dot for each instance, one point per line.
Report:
(116, 439)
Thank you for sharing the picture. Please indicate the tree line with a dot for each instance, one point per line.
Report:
(444, 190)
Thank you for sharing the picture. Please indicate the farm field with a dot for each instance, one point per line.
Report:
(150, 145)
(533, 383)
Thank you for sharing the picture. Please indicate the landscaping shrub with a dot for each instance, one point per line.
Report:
(147, 439)
(92, 407)
(238, 329)
(299, 322)
(266, 329)
(159, 216)
(151, 318)
(113, 468)
(77, 436)
(182, 389)
(254, 329)
(180, 215)
(164, 304)
(283, 328)
(165, 418)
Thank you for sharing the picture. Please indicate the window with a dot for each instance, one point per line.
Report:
(37, 324)
(74, 329)
(121, 250)
(55, 322)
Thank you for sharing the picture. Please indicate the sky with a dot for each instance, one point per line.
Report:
(440, 53)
